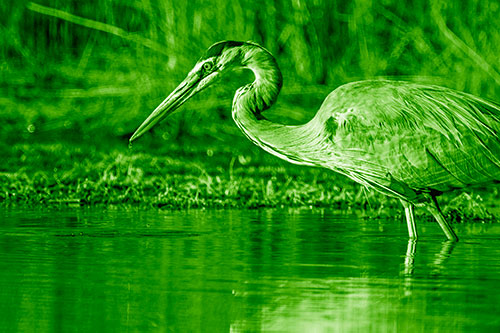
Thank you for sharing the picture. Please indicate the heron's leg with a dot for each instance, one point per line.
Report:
(410, 219)
(433, 207)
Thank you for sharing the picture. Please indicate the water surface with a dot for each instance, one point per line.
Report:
(251, 270)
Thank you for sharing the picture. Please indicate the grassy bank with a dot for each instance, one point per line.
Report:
(194, 175)
(199, 173)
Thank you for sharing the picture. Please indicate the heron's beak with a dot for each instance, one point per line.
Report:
(192, 84)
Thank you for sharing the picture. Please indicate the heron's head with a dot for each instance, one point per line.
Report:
(219, 58)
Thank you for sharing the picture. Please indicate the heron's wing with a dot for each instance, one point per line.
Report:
(425, 137)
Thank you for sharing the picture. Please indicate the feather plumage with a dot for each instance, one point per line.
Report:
(428, 138)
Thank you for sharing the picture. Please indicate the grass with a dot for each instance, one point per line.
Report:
(58, 175)
(77, 79)
(204, 177)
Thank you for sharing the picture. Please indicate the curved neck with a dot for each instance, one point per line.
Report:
(263, 92)
(250, 100)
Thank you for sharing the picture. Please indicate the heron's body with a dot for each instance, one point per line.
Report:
(406, 140)
(396, 137)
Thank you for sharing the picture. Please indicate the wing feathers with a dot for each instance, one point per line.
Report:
(428, 137)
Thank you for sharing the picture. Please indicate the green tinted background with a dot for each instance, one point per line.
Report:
(79, 77)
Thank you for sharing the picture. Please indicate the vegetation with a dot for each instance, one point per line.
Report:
(79, 77)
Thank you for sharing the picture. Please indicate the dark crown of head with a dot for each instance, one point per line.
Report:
(216, 49)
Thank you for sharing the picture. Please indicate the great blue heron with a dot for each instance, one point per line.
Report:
(406, 140)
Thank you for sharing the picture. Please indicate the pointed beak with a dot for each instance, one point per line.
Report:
(192, 84)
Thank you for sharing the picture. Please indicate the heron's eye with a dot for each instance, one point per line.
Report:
(207, 66)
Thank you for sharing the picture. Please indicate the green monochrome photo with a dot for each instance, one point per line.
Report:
(250, 166)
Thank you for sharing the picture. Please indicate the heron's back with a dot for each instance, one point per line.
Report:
(426, 137)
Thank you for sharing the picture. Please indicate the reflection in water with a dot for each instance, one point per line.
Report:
(410, 256)
(284, 270)
(443, 255)
(447, 247)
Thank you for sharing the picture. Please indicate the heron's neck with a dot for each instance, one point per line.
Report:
(250, 100)
(263, 92)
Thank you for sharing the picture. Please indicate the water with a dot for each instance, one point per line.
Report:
(216, 271)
